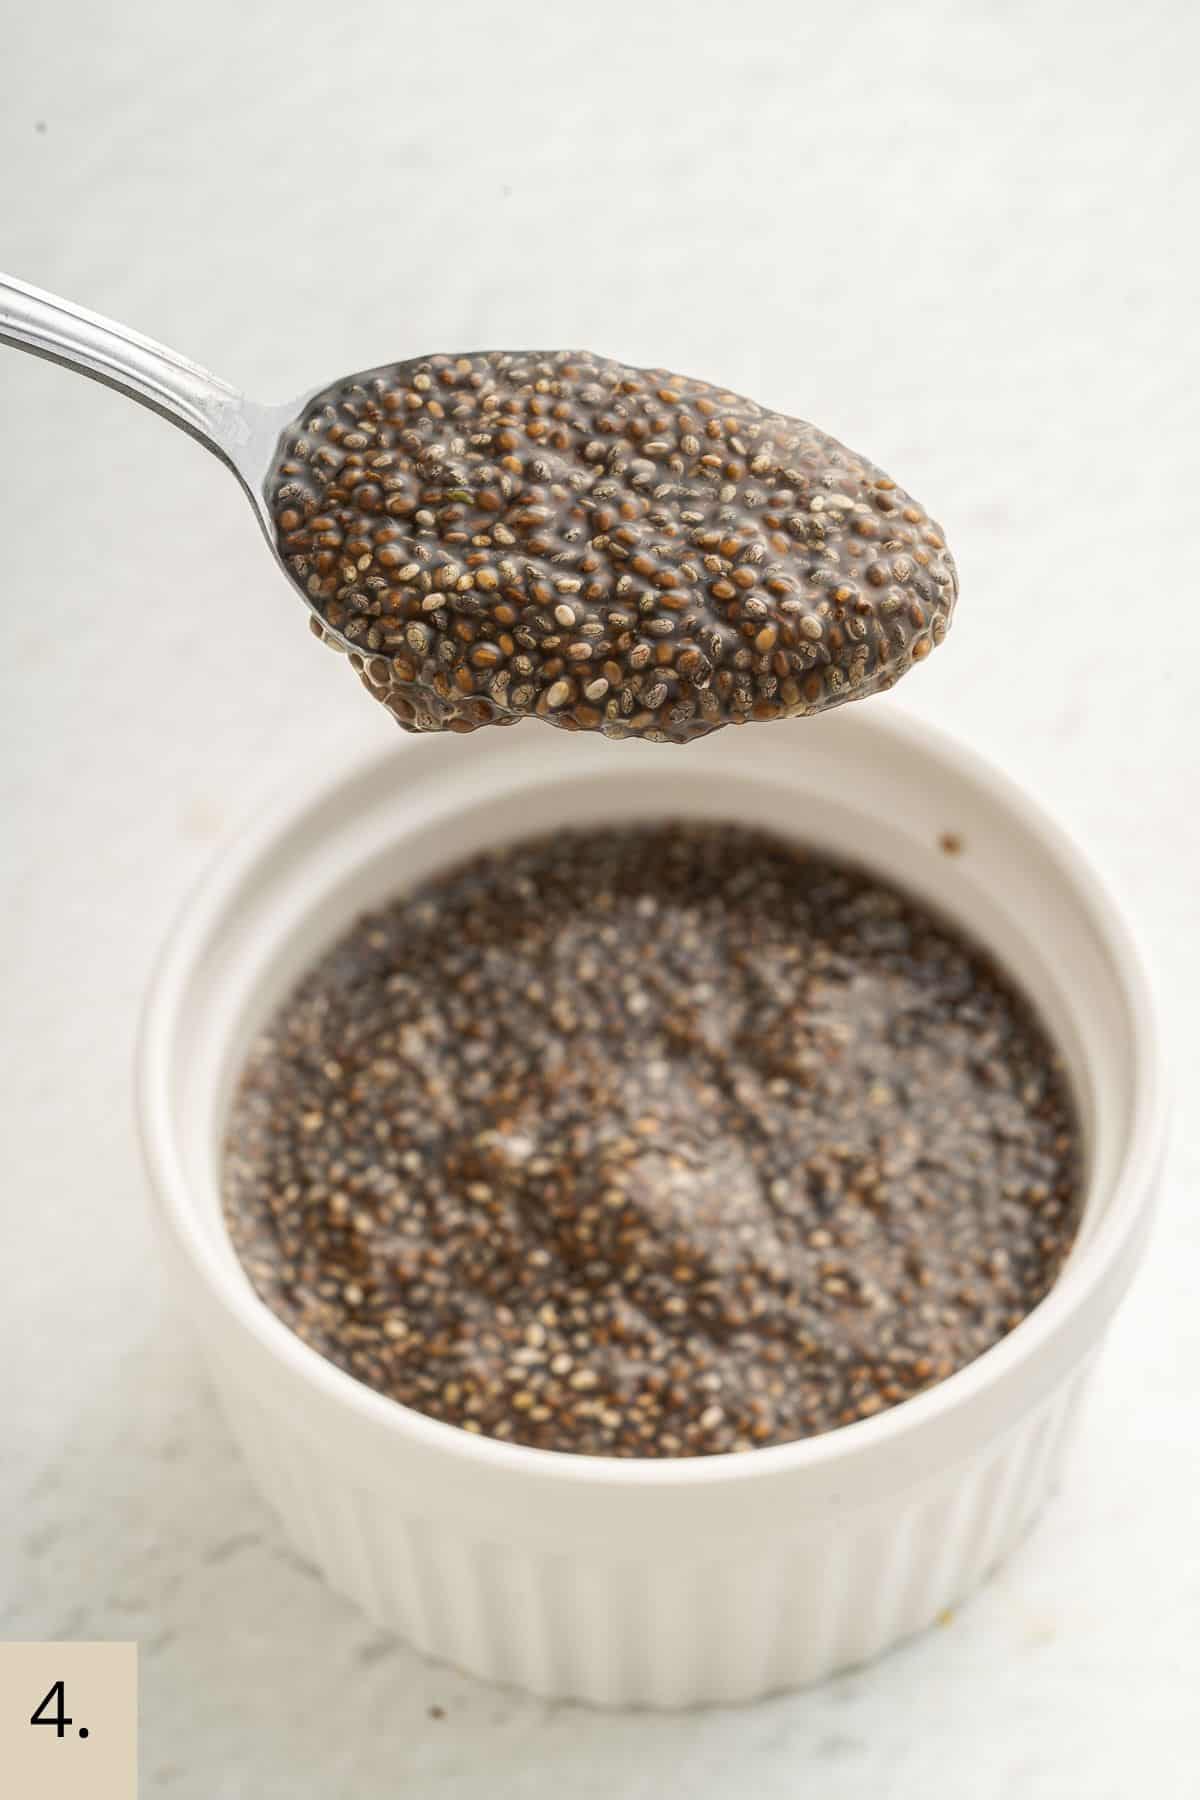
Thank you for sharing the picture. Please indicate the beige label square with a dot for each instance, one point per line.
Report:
(95, 1758)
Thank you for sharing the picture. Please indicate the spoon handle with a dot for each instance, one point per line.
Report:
(183, 392)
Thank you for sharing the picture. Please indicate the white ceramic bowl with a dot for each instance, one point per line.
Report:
(657, 1582)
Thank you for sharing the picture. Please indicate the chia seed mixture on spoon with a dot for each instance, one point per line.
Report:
(556, 535)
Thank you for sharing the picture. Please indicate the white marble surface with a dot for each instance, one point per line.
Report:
(962, 237)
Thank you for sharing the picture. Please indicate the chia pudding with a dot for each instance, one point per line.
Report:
(557, 535)
(654, 1141)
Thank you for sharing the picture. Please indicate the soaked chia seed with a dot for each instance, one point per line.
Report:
(553, 534)
(654, 1141)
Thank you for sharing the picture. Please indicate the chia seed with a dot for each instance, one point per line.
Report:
(654, 1141)
(454, 521)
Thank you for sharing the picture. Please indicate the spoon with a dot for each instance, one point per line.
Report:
(553, 534)
(244, 433)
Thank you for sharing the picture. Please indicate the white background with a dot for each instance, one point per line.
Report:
(960, 237)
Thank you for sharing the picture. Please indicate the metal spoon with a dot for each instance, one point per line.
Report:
(442, 513)
(242, 432)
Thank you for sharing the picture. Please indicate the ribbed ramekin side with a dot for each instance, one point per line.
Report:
(692, 1629)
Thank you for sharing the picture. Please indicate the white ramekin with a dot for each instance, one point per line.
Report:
(657, 1583)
